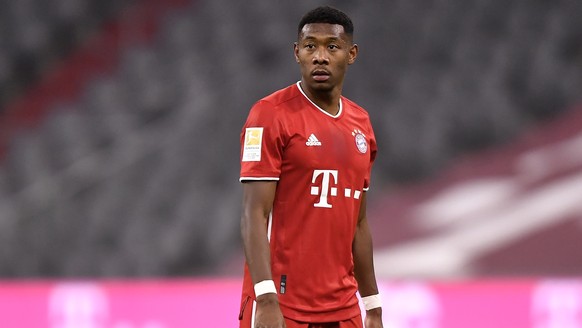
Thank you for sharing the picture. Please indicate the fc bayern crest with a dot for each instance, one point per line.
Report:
(361, 143)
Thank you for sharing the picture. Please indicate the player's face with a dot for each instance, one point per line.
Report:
(324, 52)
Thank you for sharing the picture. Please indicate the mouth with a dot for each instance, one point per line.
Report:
(320, 75)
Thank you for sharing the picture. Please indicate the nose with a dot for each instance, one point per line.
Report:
(320, 56)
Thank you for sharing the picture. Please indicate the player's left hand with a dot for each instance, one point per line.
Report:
(373, 318)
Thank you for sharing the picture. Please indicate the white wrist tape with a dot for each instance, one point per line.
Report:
(372, 302)
(265, 287)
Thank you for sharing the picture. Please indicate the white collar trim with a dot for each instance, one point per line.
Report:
(339, 112)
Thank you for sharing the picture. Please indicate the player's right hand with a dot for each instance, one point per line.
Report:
(268, 314)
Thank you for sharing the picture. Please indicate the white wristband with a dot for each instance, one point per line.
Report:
(265, 287)
(372, 302)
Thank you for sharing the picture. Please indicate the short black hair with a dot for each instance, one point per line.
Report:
(329, 15)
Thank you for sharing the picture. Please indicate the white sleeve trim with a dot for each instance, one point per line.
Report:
(366, 189)
(258, 179)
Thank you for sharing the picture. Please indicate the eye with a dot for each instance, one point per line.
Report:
(333, 46)
(309, 46)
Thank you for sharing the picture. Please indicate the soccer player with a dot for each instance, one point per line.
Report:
(306, 158)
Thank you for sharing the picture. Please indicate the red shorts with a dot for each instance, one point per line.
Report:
(247, 317)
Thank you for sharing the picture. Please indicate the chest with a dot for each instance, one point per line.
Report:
(340, 144)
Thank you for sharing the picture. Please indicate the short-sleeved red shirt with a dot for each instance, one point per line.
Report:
(322, 164)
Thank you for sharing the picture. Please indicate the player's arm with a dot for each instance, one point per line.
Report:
(257, 203)
(364, 265)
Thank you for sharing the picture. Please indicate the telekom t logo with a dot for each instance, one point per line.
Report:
(326, 190)
(329, 188)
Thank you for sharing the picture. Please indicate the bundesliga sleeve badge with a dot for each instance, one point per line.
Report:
(252, 145)
(361, 143)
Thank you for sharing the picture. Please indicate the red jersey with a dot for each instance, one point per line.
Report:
(322, 164)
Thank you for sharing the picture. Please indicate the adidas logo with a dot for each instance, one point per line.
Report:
(312, 141)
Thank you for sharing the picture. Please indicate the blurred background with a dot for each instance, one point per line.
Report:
(120, 124)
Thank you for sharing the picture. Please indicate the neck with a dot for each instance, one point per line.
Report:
(327, 100)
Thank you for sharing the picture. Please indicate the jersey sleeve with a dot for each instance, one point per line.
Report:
(373, 151)
(262, 143)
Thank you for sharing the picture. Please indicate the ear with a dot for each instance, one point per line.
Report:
(353, 54)
(296, 51)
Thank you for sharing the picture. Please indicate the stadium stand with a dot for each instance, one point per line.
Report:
(36, 35)
(134, 172)
(512, 211)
